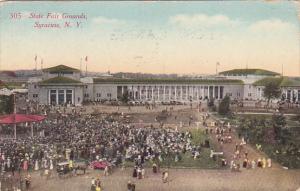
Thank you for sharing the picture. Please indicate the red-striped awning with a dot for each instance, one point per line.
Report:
(20, 118)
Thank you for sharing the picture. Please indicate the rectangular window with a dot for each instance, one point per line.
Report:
(69, 95)
(216, 92)
(52, 97)
(61, 96)
(221, 92)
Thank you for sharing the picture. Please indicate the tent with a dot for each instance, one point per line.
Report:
(20, 118)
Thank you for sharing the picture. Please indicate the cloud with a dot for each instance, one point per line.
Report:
(271, 25)
(202, 20)
(109, 21)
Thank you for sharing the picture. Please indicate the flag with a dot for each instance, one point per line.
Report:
(218, 64)
(86, 58)
(35, 58)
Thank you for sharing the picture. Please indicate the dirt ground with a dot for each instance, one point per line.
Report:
(180, 179)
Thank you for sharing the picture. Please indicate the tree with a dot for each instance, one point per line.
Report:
(6, 104)
(211, 104)
(271, 91)
(125, 97)
(279, 123)
(224, 107)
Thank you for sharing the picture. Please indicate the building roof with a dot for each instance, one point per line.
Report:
(8, 73)
(166, 81)
(290, 81)
(282, 81)
(60, 80)
(61, 69)
(243, 72)
(265, 81)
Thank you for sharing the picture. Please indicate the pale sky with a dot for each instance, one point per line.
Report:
(154, 37)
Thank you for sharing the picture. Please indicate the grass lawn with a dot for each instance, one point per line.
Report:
(204, 161)
(283, 151)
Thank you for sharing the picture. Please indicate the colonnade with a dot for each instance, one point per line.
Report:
(180, 93)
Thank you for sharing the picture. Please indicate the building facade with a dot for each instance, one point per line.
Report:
(63, 85)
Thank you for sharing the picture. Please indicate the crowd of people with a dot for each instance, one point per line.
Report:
(71, 137)
(85, 137)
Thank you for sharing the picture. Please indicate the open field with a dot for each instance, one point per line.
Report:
(181, 179)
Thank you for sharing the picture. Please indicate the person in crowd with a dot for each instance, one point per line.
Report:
(165, 176)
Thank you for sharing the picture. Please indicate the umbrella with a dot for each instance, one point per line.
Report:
(20, 118)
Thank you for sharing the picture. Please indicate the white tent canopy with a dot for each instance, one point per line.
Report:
(5, 91)
(8, 92)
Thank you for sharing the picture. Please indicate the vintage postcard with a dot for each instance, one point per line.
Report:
(149, 95)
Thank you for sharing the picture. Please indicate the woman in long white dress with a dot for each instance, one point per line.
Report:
(36, 166)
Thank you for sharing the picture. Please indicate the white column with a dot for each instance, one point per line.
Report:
(122, 90)
(164, 92)
(208, 92)
(151, 92)
(192, 92)
(169, 87)
(49, 96)
(213, 92)
(65, 96)
(202, 92)
(146, 90)
(219, 92)
(286, 94)
(56, 97)
(140, 93)
(73, 95)
(133, 91)
(181, 92)
(176, 92)
(186, 93)
(260, 90)
(292, 94)
(197, 93)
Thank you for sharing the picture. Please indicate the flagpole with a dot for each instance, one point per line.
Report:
(35, 60)
(86, 60)
(80, 67)
(86, 69)
(15, 112)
